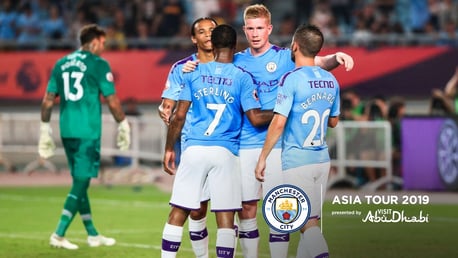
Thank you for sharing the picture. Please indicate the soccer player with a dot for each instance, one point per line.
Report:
(218, 93)
(267, 63)
(308, 102)
(79, 79)
(201, 30)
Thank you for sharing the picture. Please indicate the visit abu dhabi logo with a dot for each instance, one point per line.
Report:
(286, 208)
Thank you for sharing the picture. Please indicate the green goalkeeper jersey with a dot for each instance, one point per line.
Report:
(79, 79)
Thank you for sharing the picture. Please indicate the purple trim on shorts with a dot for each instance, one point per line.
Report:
(170, 246)
(254, 200)
(278, 238)
(183, 208)
(239, 209)
(323, 255)
(198, 235)
(224, 252)
(249, 234)
(315, 217)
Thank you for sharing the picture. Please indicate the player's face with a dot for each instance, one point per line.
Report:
(99, 45)
(257, 33)
(203, 31)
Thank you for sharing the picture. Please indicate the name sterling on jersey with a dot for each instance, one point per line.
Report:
(318, 96)
(215, 91)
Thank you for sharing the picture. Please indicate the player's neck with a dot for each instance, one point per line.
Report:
(261, 50)
(304, 61)
(224, 55)
(205, 56)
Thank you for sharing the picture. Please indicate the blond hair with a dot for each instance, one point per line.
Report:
(256, 11)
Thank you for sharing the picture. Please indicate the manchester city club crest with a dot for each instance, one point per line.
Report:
(271, 67)
(286, 208)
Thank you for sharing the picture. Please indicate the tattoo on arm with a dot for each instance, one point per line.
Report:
(115, 107)
(46, 106)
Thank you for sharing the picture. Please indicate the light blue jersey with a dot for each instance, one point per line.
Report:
(267, 70)
(174, 81)
(220, 93)
(307, 96)
(172, 91)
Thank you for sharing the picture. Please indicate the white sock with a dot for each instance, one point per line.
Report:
(313, 243)
(249, 237)
(236, 229)
(225, 240)
(278, 244)
(199, 237)
(171, 240)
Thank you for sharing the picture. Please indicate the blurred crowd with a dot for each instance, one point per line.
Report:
(142, 24)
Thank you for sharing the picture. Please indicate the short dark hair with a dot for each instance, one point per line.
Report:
(309, 39)
(224, 36)
(90, 32)
(193, 32)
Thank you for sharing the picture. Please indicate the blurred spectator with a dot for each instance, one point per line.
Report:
(396, 112)
(115, 39)
(342, 12)
(8, 17)
(169, 19)
(372, 140)
(419, 15)
(142, 35)
(322, 17)
(29, 28)
(449, 35)
(81, 18)
(54, 27)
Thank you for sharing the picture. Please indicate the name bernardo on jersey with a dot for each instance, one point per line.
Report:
(215, 91)
(318, 96)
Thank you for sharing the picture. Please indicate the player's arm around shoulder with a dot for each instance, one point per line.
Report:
(258, 117)
(330, 62)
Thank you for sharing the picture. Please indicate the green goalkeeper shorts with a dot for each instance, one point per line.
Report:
(83, 156)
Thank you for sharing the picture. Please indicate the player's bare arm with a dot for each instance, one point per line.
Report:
(173, 135)
(452, 84)
(165, 110)
(332, 121)
(46, 106)
(115, 107)
(274, 132)
(259, 117)
(331, 62)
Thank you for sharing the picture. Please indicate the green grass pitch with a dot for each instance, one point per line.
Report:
(28, 215)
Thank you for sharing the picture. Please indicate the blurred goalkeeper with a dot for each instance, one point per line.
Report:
(79, 78)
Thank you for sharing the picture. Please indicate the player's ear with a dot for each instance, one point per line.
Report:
(194, 40)
(293, 46)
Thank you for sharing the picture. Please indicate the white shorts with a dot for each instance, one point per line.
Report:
(313, 180)
(251, 187)
(214, 164)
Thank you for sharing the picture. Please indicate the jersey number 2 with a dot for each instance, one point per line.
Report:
(76, 85)
(318, 124)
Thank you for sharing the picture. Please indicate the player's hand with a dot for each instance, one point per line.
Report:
(164, 114)
(260, 169)
(346, 60)
(123, 139)
(46, 144)
(169, 162)
(190, 66)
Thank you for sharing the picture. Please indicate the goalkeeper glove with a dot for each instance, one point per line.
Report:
(123, 139)
(46, 144)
